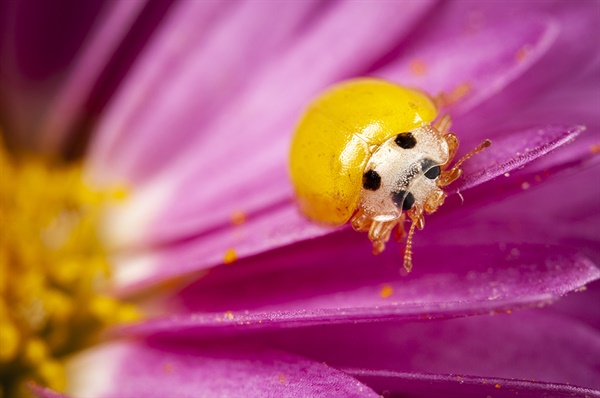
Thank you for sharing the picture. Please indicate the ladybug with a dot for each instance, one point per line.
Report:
(370, 152)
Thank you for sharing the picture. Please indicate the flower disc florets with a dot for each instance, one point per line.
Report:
(52, 272)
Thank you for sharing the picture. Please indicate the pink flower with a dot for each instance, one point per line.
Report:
(194, 103)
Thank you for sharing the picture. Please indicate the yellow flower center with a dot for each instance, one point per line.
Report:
(54, 274)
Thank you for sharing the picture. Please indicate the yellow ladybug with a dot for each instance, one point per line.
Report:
(369, 151)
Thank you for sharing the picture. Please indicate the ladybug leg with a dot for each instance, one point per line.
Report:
(400, 233)
(360, 221)
(379, 234)
(449, 176)
(443, 124)
(453, 142)
(434, 201)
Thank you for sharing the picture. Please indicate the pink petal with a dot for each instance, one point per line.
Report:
(336, 280)
(129, 369)
(51, 62)
(582, 306)
(460, 46)
(513, 151)
(564, 212)
(426, 385)
(243, 69)
(547, 57)
(85, 71)
(532, 345)
(561, 87)
(156, 106)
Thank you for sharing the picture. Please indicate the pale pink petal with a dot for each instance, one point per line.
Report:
(129, 369)
(210, 73)
(196, 63)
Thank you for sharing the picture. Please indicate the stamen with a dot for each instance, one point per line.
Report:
(52, 272)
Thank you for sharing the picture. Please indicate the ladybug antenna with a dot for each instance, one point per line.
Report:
(474, 151)
(408, 249)
(449, 176)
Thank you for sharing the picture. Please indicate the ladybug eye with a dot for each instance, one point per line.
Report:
(433, 173)
(403, 199)
(406, 140)
(431, 170)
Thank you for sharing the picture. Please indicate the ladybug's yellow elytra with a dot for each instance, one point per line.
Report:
(366, 151)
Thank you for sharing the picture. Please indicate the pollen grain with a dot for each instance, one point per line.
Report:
(230, 256)
(458, 93)
(238, 217)
(418, 67)
(386, 291)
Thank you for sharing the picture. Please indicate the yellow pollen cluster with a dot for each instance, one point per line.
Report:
(52, 272)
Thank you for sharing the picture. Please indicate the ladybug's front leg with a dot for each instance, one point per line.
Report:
(400, 233)
(443, 124)
(360, 221)
(452, 141)
(379, 234)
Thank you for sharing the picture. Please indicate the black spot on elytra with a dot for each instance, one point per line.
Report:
(371, 180)
(406, 140)
(431, 169)
(403, 199)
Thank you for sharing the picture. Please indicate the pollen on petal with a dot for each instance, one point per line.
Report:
(386, 291)
(228, 315)
(523, 53)
(446, 99)
(418, 67)
(230, 256)
(168, 368)
(238, 217)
